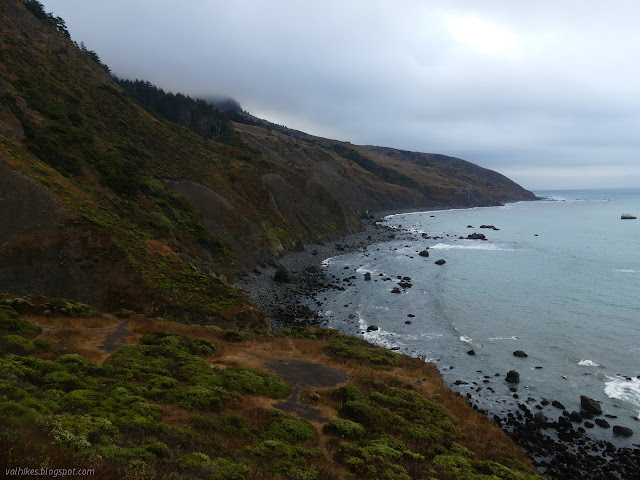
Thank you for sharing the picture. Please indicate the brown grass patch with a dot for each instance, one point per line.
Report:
(154, 246)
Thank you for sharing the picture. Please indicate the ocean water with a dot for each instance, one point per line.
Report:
(559, 280)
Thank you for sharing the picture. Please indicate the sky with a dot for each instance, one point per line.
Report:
(546, 92)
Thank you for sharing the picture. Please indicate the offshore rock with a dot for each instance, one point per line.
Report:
(440, 262)
(520, 353)
(590, 405)
(513, 377)
(622, 431)
(424, 253)
(476, 236)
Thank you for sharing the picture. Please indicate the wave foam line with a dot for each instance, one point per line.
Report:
(622, 389)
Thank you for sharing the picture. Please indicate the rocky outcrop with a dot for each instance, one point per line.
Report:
(590, 405)
(513, 377)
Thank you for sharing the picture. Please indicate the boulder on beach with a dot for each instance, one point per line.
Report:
(601, 422)
(622, 431)
(424, 253)
(513, 377)
(282, 275)
(440, 262)
(590, 405)
(520, 353)
(557, 404)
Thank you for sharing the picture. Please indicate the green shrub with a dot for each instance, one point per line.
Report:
(10, 323)
(287, 429)
(341, 427)
(347, 393)
(360, 412)
(347, 347)
(62, 380)
(234, 336)
(158, 449)
(248, 380)
(202, 346)
(17, 344)
(82, 400)
(68, 307)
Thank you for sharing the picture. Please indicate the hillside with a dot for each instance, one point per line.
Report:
(106, 203)
(125, 350)
(139, 398)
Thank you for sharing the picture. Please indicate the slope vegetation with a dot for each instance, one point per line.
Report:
(194, 402)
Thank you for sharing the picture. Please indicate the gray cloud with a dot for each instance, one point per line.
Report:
(546, 92)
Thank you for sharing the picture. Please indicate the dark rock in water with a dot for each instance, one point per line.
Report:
(471, 352)
(540, 418)
(601, 422)
(590, 405)
(544, 402)
(469, 226)
(410, 315)
(557, 404)
(440, 262)
(367, 276)
(396, 290)
(627, 216)
(372, 328)
(408, 322)
(513, 377)
(520, 353)
(476, 236)
(622, 431)
(424, 253)
(404, 284)
(575, 417)
(589, 424)
(488, 226)
(587, 415)
(460, 382)
(282, 275)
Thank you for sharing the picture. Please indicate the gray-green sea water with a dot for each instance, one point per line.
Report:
(559, 280)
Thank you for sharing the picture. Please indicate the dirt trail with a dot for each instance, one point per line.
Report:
(305, 375)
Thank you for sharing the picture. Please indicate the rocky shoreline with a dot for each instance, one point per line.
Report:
(557, 441)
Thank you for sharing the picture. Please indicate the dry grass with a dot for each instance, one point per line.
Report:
(85, 336)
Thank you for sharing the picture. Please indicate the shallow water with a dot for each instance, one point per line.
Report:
(560, 280)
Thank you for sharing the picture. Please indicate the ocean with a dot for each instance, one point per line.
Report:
(558, 279)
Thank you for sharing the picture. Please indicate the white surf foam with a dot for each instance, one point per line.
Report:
(589, 363)
(465, 339)
(622, 389)
(626, 270)
(476, 246)
(504, 338)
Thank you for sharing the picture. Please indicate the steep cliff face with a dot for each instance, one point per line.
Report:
(106, 203)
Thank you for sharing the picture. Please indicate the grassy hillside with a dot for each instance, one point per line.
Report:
(139, 398)
(116, 234)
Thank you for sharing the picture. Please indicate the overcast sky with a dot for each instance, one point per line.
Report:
(545, 92)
